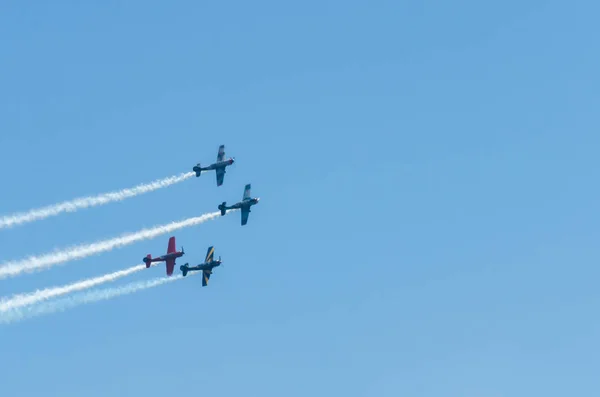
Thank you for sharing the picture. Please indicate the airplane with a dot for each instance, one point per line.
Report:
(169, 258)
(243, 205)
(206, 267)
(219, 166)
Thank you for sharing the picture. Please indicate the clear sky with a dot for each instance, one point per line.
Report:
(428, 175)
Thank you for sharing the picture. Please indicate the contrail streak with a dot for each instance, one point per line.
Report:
(63, 304)
(90, 201)
(35, 263)
(53, 292)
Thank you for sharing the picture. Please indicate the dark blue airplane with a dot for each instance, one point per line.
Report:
(219, 166)
(243, 205)
(206, 267)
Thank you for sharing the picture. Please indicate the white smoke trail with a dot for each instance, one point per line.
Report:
(63, 304)
(53, 292)
(36, 263)
(90, 201)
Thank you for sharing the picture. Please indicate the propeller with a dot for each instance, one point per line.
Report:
(182, 250)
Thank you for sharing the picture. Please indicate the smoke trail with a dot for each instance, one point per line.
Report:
(63, 304)
(33, 263)
(90, 201)
(47, 293)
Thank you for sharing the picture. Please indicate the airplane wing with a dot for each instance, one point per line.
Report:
(221, 154)
(171, 248)
(209, 254)
(220, 176)
(205, 277)
(245, 214)
(247, 191)
(170, 266)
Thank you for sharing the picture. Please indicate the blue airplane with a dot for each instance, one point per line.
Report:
(219, 166)
(243, 205)
(206, 267)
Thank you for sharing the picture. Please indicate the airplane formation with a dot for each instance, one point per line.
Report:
(209, 262)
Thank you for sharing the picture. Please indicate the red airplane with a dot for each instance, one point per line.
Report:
(169, 258)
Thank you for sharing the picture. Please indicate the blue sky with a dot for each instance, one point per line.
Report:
(427, 174)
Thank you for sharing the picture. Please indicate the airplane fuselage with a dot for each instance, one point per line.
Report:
(163, 258)
(205, 266)
(243, 204)
(217, 165)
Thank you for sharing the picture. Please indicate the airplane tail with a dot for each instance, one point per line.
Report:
(223, 208)
(148, 260)
(198, 170)
(184, 269)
